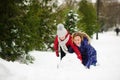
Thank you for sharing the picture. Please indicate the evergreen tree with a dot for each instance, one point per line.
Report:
(47, 27)
(13, 39)
(88, 21)
(25, 26)
(71, 21)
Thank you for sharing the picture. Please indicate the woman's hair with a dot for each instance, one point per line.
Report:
(82, 35)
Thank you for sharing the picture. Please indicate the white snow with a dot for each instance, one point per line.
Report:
(70, 68)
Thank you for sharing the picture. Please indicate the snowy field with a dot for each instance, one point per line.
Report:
(45, 65)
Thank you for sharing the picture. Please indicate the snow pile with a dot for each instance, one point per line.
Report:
(70, 68)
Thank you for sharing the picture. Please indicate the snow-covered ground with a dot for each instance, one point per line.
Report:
(45, 65)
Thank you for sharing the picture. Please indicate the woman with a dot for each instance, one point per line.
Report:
(82, 41)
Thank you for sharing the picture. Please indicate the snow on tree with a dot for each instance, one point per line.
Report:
(71, 21)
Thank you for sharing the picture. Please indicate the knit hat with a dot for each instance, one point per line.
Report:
(61, 31)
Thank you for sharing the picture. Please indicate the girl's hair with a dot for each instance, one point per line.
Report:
(82, 35)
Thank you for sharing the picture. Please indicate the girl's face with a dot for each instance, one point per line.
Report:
(62, 38)
(77, 40)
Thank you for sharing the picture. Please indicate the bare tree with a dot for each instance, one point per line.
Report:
(109, 12)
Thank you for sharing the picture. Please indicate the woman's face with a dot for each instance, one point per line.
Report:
(77, 40)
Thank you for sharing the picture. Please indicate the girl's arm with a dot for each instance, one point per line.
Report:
(78, 53)
(56, 46)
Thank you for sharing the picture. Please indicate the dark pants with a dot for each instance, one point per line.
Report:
(62, 53)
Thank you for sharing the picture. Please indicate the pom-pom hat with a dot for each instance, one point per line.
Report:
(61, 31)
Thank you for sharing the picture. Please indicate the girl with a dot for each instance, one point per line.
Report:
(63, 41)
(82, 41)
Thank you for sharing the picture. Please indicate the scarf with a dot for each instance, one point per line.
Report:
(62, 44)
